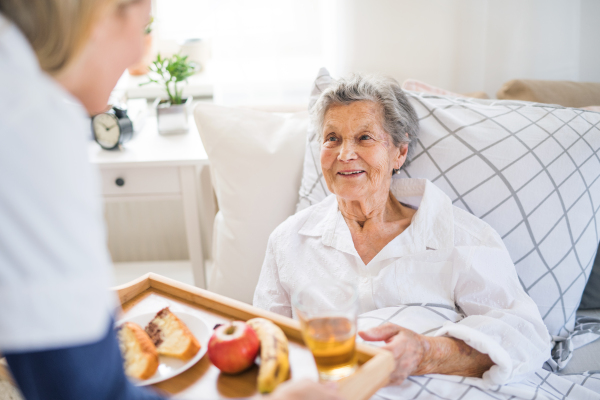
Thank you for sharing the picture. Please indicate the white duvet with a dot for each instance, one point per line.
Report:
(427, 319)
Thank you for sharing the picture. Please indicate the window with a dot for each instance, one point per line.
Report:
(263, 51)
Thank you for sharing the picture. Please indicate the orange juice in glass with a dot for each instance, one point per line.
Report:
(327, 316)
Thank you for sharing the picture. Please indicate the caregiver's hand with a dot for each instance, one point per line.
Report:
(305, 390)
(419, 355)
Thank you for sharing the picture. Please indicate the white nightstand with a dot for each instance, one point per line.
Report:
(154, 167)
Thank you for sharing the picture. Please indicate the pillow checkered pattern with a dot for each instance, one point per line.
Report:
(529, 170)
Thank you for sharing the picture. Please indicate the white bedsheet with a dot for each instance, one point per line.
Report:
(542, 385)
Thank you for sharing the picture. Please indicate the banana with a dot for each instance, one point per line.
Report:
(274, 361)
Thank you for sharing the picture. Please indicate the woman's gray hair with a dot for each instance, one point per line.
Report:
(399, 117)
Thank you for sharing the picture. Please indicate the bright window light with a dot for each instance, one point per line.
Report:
(270, 49)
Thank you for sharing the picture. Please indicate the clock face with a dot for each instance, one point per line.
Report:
(106, 130)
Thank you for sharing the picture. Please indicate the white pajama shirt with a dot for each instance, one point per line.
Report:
(446, 256)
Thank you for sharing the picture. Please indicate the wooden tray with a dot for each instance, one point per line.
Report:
(152, 292)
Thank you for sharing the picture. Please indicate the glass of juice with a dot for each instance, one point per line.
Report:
(327, 314)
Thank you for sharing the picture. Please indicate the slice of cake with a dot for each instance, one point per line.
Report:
(171, 337)
(139, 353)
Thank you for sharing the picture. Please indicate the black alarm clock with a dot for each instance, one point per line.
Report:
(112, 128)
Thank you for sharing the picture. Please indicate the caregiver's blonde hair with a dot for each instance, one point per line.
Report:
(57, 29)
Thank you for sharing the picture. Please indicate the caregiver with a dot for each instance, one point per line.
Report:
(59, 61)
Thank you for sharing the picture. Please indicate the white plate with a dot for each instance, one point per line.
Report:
(168, 367)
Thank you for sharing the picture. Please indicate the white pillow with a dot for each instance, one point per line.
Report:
(530, 170)
(256, 161)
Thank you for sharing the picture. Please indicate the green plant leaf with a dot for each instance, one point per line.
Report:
(171, 72)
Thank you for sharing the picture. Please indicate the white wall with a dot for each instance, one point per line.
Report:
(268, 51)
(468, 45)
(589, 37)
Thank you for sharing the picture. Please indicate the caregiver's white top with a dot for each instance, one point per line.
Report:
(54, 265)
(446, 256)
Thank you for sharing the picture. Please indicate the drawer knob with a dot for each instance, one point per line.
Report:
(119, 181)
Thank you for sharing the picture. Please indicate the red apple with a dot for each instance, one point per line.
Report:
(233, 347)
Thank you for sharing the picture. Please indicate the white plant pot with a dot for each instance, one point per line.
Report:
(173, 119)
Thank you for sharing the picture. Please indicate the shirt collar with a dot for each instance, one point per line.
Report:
(433, 223)
(432, 226)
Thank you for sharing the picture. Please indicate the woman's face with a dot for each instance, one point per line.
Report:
(357, 154)
(116, 42)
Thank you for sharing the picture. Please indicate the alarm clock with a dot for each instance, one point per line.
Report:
(112, 128)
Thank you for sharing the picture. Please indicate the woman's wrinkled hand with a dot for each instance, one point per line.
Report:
(407, 347)
(305, 390)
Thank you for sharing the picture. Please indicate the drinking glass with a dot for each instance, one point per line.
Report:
(327, 313)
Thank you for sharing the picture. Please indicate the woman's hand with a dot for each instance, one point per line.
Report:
(407, 347)
(419, 355)
(305, 390)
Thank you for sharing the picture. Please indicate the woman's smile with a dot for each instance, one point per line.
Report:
(351, 173)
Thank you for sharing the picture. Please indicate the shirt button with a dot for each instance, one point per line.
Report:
(365, 279)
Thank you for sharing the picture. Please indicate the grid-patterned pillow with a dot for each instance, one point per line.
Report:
(530, 170)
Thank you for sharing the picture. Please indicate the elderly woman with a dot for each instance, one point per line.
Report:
(402, 242)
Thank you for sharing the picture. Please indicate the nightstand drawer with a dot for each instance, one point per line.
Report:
(134, 181)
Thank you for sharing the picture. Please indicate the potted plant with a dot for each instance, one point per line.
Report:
(172, 72)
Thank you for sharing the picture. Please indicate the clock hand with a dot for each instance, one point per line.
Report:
(105, 127)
